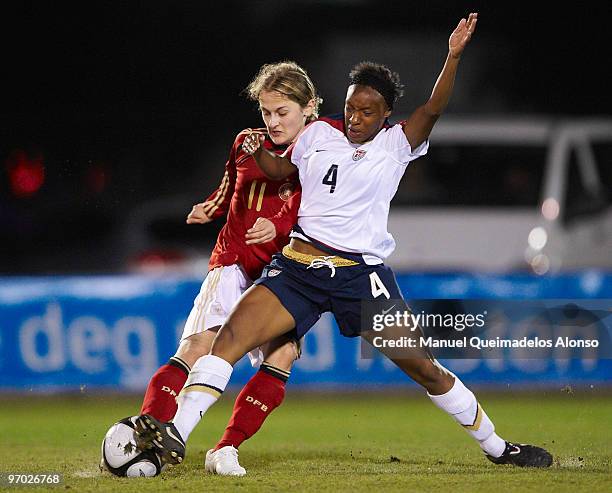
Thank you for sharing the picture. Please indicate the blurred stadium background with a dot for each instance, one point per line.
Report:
(118, 116)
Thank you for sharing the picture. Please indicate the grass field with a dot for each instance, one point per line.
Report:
(369, 442)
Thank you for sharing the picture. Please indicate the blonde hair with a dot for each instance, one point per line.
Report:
(288, 79)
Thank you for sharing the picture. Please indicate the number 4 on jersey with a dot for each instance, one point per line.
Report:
(330, 177)
(377, 286)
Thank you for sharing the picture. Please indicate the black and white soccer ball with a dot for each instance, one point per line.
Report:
(120, 456)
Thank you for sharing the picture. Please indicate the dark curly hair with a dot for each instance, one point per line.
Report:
(380, 78)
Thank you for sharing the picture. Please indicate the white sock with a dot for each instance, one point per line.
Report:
(205, 384)
(462, 405)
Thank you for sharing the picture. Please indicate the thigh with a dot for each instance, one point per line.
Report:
(257, 318)
(368, 288)
(293, 285)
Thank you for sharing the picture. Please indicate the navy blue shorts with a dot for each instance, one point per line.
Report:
(306, 293)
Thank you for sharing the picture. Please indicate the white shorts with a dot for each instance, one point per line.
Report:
(220, 291)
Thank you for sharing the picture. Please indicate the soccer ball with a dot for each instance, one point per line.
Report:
(120, 456)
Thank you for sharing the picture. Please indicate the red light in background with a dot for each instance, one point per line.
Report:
(157, 261)
(98, 177)
(26, 173)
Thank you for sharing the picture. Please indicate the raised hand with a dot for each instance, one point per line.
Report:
(462, 34)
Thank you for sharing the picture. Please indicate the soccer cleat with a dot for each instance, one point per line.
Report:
(163, 437)
(522, 455)
(224, 462)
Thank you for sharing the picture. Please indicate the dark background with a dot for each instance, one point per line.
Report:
(109, 105)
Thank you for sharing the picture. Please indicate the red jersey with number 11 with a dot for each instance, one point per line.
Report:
(245, 194)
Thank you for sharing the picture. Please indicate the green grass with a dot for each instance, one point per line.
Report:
(369, 442)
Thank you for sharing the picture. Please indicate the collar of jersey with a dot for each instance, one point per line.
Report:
(276, 148)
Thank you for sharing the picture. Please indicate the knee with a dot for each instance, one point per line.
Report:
(195, 346)
(225, 337)
(230, 343)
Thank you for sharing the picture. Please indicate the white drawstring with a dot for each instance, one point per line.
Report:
(319, 262)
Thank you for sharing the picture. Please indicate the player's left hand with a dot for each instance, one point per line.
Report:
(462, 34)
(263, 230)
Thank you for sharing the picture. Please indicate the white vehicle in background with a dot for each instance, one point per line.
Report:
(492, 195)
(507, 194)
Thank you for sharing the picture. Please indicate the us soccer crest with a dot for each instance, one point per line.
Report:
(285, 191)
(358, 154)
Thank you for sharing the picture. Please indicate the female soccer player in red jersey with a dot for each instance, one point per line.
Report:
(260, 213)
(335, 259)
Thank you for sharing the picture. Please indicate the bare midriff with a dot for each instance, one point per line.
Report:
(305, 247)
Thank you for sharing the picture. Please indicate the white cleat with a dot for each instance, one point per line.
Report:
(224, 462)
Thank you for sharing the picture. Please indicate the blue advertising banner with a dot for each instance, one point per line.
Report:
(112, 332)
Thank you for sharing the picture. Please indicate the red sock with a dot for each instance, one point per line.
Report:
(263, 393)
(160, 397)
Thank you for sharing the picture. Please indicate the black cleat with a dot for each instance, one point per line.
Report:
(522, 455)
(164, 438)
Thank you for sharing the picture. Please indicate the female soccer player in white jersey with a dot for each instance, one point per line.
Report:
(335, 259)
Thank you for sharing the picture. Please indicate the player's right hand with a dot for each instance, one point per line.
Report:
(253, 141)
(197, 215)
(262, 231)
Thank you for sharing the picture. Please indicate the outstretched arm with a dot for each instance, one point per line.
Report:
(418, 127)
(273, 166)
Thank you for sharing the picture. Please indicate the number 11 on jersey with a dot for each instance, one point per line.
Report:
(262, 189)
(330, 177)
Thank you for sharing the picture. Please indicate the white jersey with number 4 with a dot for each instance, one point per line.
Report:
(347, 188)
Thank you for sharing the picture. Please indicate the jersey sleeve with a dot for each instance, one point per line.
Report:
(299, 152)
(217, 204)
(286, 218)
(396, 144)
